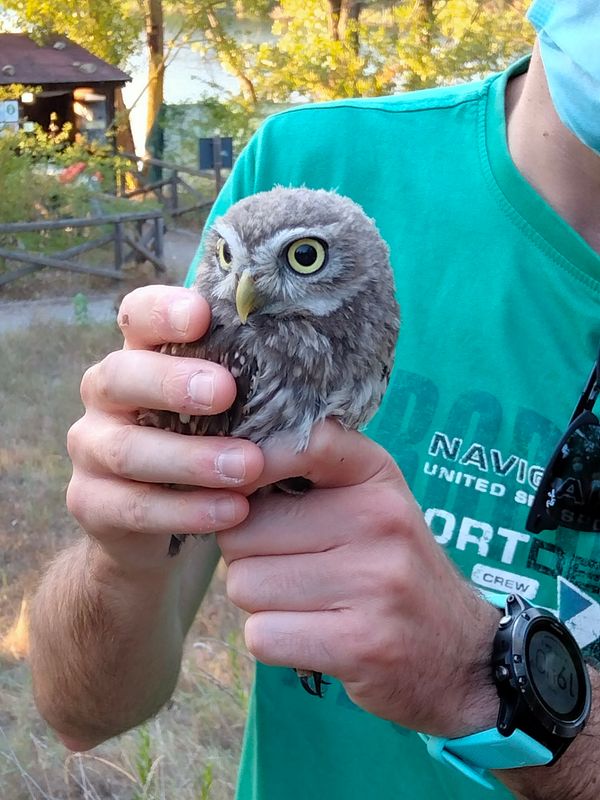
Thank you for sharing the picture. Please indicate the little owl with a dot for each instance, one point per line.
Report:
(303, 315)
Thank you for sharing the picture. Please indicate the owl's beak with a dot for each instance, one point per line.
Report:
(246, 297)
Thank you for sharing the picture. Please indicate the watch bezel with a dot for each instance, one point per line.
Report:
(520, 690)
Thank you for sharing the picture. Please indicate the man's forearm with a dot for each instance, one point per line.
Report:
(106, 647)
(575, 776)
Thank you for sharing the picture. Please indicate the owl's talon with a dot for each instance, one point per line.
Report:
(178, 539)
(316, 689)
(175, 545)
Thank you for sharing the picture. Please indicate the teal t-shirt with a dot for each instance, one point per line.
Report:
(500, 307)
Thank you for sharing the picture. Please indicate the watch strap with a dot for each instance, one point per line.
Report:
(497, 599)
(473, 755)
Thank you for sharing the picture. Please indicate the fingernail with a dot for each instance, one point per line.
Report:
(232, 464)
(179, 315)
(201, 388)
(224, 511)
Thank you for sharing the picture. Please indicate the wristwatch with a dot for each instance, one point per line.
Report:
(544, 691)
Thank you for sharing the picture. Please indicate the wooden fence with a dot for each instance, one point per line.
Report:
(144, 242)
(173, 191)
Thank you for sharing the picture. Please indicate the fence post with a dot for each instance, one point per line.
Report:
(218, 163)
(174, 191)
(118, 245)
(159, 236)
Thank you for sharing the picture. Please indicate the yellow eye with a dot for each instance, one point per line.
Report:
(224, 254)
(307, 255)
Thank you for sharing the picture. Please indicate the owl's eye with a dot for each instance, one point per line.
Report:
(224, 254)
(307, 255)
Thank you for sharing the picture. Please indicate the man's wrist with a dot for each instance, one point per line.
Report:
(107, 569)
(477, 694)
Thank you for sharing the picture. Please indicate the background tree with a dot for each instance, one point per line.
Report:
(107, 28)
(441, 42)
(211, 26)
(342, 48)
(153, 13)
(295, 50)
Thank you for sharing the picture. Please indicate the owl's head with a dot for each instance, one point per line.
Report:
(292, 252)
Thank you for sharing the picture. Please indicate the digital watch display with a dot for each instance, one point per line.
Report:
(541, 677)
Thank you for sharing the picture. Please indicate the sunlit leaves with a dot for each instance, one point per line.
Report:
(108, 28)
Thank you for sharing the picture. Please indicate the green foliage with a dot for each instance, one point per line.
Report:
(144, 762)
(206, 782)
(60, 152)
(108, 28)
(28, 191)
(388, 47)
(239, 683)
(32, 165)
(81, 309)
(303, 50)
(233, 116)
(312, 53)
(306, 59)
(458, 40)
(13, 91)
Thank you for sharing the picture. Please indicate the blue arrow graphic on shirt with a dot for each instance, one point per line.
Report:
(579, 612)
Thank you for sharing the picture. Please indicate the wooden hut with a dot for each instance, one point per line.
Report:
(73, 85)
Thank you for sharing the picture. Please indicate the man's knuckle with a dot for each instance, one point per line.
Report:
(236, 583)
(372, 647)
(172, 384)
(389, 512)
(87, 385)
(75, 436)
(77, 499)
(119, 452)
(256, 637)
(323, 444)
(359, 643)
(138, 509)
(105, 376)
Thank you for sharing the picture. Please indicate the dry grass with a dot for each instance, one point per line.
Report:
(191, 749)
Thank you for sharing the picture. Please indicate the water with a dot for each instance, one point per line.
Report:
(189, 76)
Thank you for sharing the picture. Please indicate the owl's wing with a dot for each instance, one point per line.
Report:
(244, 370)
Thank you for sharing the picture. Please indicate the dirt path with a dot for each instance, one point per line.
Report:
(180, 247)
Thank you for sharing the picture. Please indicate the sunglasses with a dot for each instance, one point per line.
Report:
(569, 492)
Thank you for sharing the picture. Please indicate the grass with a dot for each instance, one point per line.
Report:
(190, 750)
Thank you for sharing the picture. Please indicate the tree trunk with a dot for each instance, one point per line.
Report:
(341, 16)
(333, 19)
(350, 13)
(155, 40)
(428, 21)
(228, 53)
(124, 137)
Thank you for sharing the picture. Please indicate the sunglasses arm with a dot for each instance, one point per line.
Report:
(589, 394)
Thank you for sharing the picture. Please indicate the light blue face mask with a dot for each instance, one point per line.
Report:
(569, 38)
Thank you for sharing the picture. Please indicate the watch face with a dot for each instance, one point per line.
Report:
(553, 673)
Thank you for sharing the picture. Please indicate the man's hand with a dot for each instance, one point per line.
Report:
(120, 469)
(348, 580)
(110, 616)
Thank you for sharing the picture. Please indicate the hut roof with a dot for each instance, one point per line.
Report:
(58, 61)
